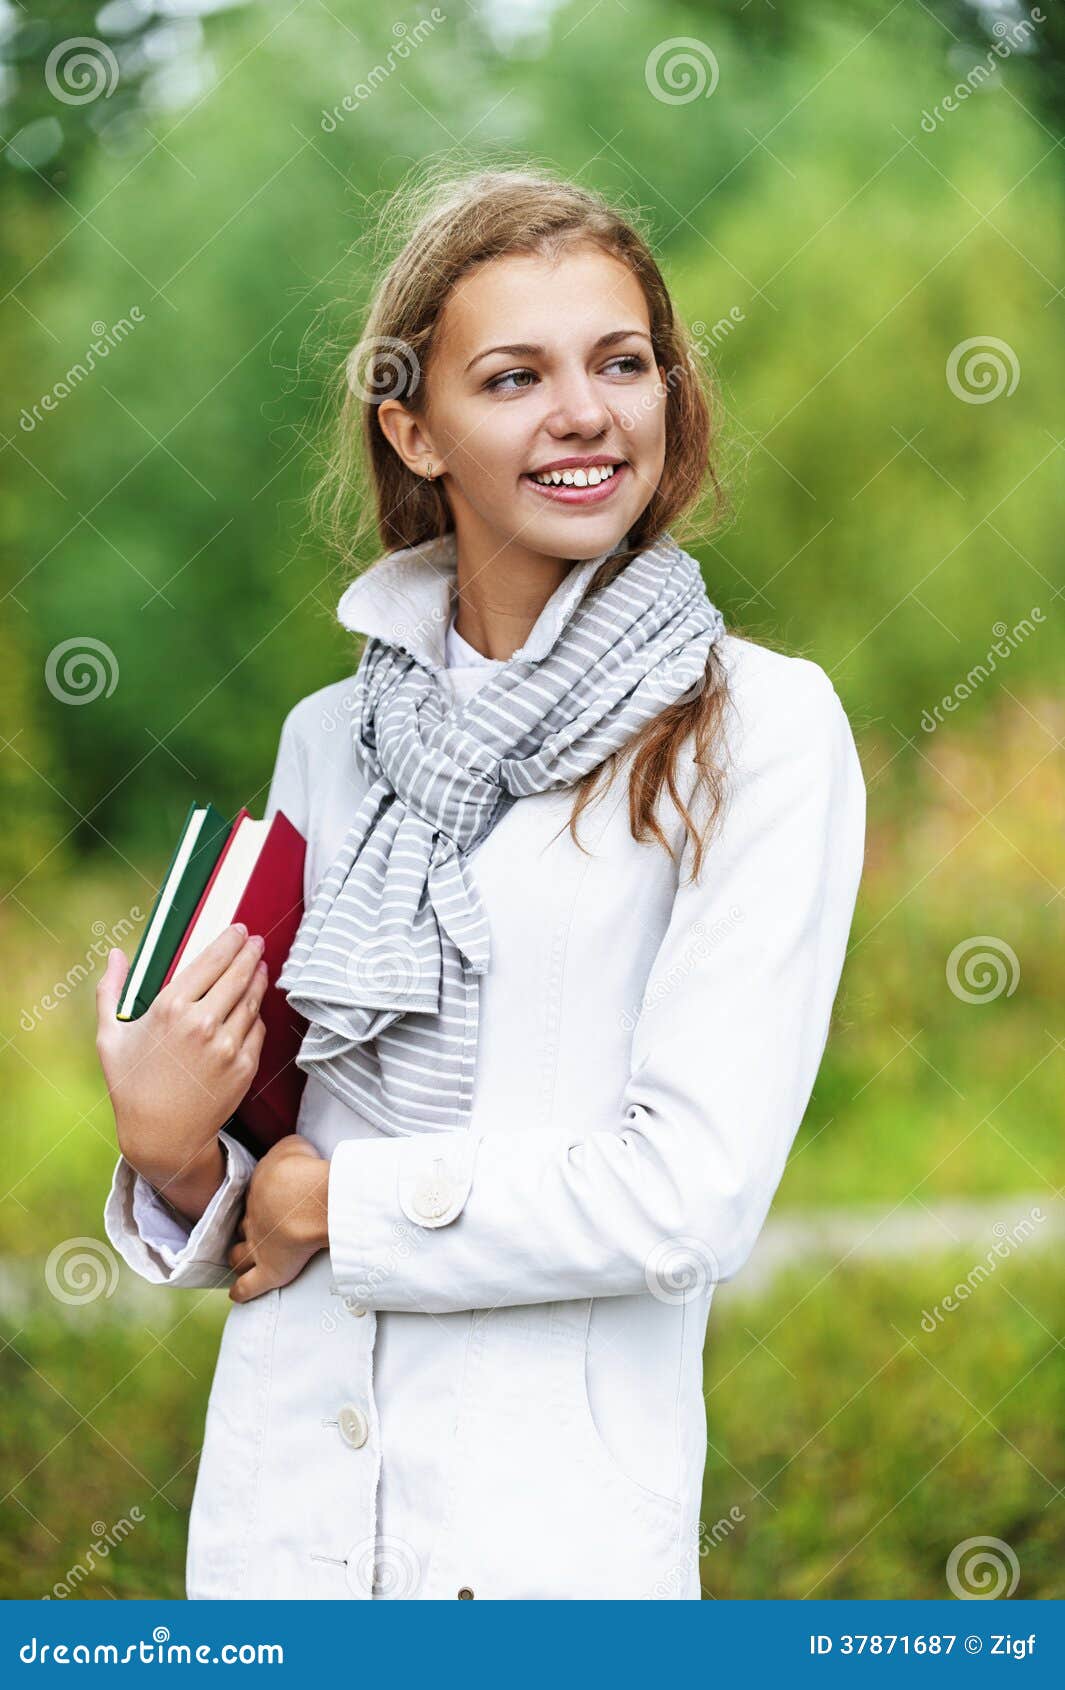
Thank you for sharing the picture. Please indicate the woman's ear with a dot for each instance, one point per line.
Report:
(406, 435)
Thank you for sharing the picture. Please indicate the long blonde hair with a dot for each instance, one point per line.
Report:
(445, 228)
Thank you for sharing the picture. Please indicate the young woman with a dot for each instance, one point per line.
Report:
(580, 874)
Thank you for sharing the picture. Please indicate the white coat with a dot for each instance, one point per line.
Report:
(491, 1383)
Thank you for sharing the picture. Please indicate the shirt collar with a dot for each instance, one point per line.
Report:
(406, 599)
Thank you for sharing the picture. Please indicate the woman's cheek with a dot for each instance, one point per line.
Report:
(641, 416)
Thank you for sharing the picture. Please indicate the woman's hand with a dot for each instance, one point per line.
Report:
(178, 1072)
(285, 1219)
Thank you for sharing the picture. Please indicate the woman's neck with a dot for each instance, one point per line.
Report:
(501, 591)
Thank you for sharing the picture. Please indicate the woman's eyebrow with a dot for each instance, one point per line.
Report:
(526, 349)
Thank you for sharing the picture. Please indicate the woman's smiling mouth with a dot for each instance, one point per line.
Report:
(578, 481)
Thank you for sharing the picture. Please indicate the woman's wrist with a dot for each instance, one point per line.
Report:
(190, 1187)
(312, 1217)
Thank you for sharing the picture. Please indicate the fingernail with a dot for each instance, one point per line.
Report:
(239, 927)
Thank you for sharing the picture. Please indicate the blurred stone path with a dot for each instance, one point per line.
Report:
(984, 1230)
(89, 1282)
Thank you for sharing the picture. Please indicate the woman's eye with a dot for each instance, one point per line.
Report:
(501, 383)
(634, 361)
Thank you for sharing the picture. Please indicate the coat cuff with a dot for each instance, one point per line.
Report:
(159, 1244)
(385, 1198)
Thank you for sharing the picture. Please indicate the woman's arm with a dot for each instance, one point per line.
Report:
(724, 1058)
(159, 1241)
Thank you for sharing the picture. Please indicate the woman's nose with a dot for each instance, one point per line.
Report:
(577, 409)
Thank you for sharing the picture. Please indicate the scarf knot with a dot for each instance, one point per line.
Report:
(437, 771)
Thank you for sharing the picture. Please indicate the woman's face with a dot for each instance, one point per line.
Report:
(546, 410)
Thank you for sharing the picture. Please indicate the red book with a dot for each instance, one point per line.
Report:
(258, 879)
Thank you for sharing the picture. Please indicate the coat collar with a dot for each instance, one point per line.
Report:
(406, 599)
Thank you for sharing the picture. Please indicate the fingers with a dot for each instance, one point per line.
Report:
(253, 1045)
(241, 1017)
(221, 999)
(211, 965)
(109, 986)
(249, 1282)
(249, 1285)
(240, 1257)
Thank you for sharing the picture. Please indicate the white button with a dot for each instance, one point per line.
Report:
(353, 1306)
(432, 1198)
(354, 1427)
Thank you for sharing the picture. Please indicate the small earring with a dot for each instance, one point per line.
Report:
(428, 469)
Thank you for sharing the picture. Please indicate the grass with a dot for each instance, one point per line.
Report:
(860, 1448)
(102, 1425)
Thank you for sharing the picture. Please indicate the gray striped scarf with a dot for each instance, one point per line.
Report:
(388, 957)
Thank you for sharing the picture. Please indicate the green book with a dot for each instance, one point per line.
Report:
(198, 849)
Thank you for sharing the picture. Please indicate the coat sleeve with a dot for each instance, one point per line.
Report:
(160, 1244)
(723, 1060)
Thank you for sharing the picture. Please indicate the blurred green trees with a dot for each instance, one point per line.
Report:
(885, 525)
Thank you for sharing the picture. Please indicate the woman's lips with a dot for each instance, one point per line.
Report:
(563, 495)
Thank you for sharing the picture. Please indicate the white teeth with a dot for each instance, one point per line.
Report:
(576, 477)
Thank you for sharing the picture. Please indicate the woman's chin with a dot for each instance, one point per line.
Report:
(583, 535)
